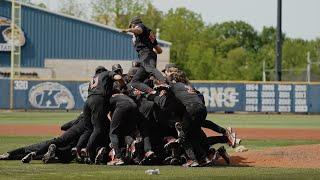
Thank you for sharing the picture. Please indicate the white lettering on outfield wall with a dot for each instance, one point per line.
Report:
(5, 47)
(252, 97)
(220, 96)
(268, 98)
(20, 85)
(284, 102)
(300, 97)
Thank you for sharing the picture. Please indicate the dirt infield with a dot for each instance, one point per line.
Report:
(29, 130)
(302, 156)
(244, 133)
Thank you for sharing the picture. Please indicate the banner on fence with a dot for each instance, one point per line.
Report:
(225, 97)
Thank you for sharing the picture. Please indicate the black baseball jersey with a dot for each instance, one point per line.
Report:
(185, 93)
(102, 84)
(145, 40)
(121, 100)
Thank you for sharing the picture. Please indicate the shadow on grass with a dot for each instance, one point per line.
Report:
(236, 161)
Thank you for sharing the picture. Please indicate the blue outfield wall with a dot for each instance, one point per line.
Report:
(259, 97)
(4, 94)
(223, 97)
(49, 94)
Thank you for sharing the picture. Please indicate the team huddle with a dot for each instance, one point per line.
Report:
(142, 117)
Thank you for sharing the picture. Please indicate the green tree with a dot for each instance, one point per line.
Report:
(268, 35)
(230, 58)
(200, 61)
(73, 8)
(242, 32)
(40, 4)
(117, 12)
(295, 54)
(231, 50)
(101, 11)
(181, 26)
(26, 1)
(152, 17)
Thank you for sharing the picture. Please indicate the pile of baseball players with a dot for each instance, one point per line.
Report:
(142, 117)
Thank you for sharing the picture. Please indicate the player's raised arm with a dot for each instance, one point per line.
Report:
(136, 30)
(134, 26)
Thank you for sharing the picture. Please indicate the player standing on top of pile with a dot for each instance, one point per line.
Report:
(146, 45)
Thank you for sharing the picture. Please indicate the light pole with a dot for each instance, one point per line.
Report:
(278, 60)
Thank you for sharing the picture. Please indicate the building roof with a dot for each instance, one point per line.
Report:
(83, 20)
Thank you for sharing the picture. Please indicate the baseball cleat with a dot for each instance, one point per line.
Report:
(149, 154)
(99, 157)
(191, 163)
(212, 154)
(183, 159)
(74, 151)
(4, 156)
(167, 160)
(231, 137)
(206, 162)
(116, 162)
(148, 159)
(81, 156)
(223, 153)
(174, 161)
(216, 156)
(28, 157)
(83, 152)
(171, 145)
(50, 154)
(87, 160)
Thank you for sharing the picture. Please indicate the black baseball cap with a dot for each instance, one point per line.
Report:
(135, 20)
(170, 65)
(116, 67)
(100, 69)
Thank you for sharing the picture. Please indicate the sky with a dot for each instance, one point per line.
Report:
(300, 18)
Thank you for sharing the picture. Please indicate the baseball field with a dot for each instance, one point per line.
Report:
(279, 147)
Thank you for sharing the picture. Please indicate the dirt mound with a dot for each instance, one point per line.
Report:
(302, 156)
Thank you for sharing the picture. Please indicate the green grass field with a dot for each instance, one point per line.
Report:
(234, 120)
(36, 170)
